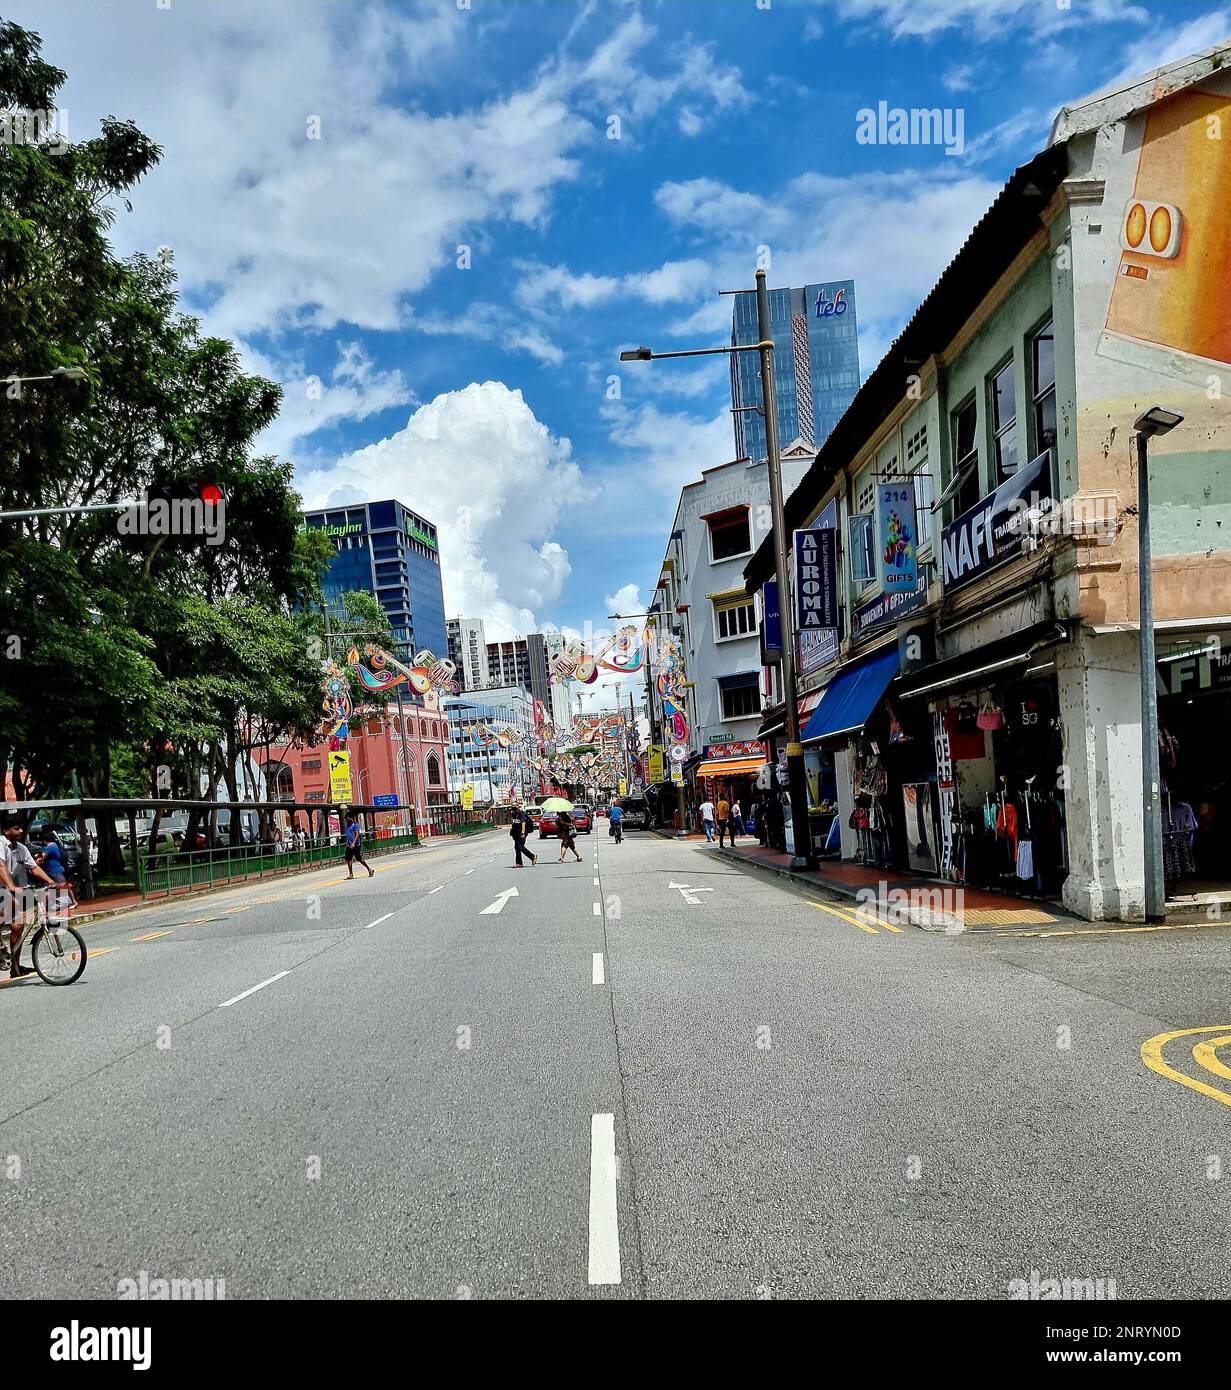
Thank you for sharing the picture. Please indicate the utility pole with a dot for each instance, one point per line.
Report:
(796, 782)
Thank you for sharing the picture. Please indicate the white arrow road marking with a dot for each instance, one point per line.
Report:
(598, 974)
(226, 1004)
(604, 1222)
(498, 905)
(687, 892)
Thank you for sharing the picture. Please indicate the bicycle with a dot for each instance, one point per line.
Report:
(57, 951)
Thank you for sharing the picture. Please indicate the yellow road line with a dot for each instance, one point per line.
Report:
(1123, 931)
(152, 936)
(1204, 1055)
(842, 916)
(100, 950)
(1152, 1056)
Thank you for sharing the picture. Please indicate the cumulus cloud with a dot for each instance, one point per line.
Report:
(494, 480)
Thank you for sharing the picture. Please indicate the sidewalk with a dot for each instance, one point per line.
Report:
(979, 909)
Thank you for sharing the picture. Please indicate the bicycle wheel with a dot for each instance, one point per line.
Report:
(58, 954)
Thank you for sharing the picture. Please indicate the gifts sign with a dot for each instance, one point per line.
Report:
(895, 518)
(816, 580)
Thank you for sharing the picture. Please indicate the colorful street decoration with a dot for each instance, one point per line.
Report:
(624, 652)
(671, 690)
(385, 672)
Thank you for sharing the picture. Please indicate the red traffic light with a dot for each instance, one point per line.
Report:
(212, 494)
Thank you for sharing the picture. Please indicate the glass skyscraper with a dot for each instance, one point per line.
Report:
(391, 552)
(816, 363)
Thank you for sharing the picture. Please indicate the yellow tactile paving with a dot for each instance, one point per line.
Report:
(1004, 916)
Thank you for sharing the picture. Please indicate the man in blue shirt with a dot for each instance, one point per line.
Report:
(616, 816)
(354, 847)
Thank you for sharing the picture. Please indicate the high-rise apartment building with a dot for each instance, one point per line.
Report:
(816, 364)
(468, 652)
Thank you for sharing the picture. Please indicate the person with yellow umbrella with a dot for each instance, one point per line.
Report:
(561, 808)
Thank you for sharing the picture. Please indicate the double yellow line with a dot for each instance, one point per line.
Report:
(861, 918)
(1204, 1054)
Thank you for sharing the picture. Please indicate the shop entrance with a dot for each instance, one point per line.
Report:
(1194, 687)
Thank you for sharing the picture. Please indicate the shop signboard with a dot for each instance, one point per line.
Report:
(1190, 672)
(992, 531)
(890, 606)
(655, 770)
(816, 580)
(771, 623)
(895, 532)
(741, 748)
(818, 648)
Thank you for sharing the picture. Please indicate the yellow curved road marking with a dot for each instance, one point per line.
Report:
(1152, 1056)
(1204, 1055)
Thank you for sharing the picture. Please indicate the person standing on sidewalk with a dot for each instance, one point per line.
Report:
(519, 827)
(737, 822)
(707, 819)
(724, 817)
(354, 847)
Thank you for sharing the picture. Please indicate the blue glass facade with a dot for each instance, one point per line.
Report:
(391, 552)
(816, 363)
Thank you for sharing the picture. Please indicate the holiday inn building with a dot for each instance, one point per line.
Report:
(978, 706)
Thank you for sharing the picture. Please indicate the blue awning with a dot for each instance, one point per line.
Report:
(851, 697)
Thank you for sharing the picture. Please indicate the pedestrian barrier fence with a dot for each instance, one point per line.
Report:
(172, 872)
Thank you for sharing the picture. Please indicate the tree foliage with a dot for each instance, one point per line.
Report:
(132, 652)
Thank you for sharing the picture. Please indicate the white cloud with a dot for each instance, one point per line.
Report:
(493, 479)
(626, 599)
(893, 233)
(658, 452)
(552, 288)
(959, 78)
(1168, 43)
(980, 19)
(354, 390)
(274, 230)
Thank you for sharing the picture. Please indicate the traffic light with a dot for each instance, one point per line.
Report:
(188, 510)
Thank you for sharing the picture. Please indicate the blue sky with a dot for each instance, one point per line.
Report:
(481, 396)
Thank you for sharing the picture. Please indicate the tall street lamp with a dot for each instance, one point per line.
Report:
(1158, 420)
(797, 784)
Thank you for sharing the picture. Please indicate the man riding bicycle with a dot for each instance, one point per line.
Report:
(16, 866)
(616, 816)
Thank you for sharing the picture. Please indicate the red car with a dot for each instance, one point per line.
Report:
(583, 822)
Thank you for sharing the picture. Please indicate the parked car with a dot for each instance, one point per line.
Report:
(583, 823)
(535, 813)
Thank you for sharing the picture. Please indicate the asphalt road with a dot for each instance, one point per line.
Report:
(315, 1087)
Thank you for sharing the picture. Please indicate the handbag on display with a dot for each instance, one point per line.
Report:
(990, 716)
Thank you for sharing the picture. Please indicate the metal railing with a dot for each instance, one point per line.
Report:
(177, 870)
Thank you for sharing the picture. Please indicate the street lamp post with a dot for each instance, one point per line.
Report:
(1158, 420)
(797, 785)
